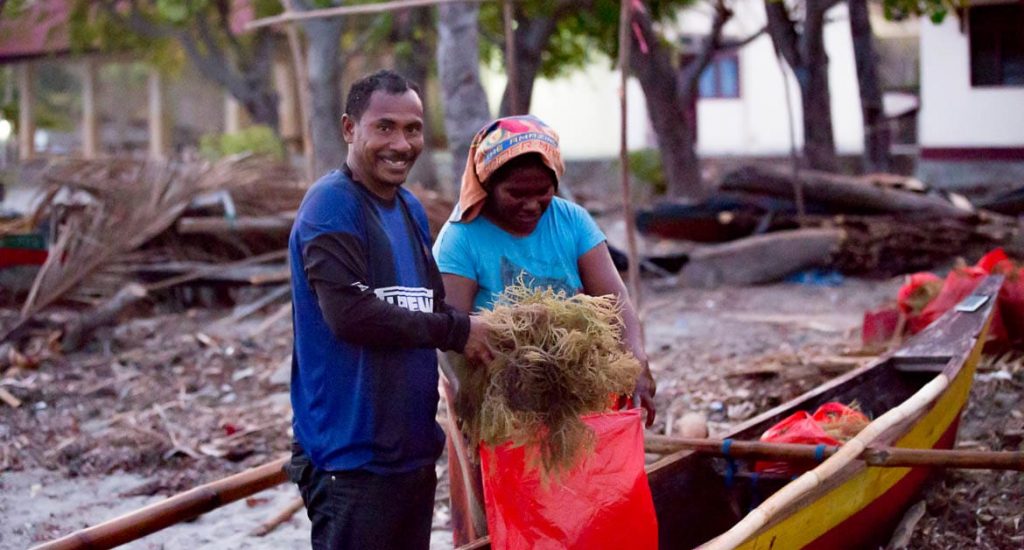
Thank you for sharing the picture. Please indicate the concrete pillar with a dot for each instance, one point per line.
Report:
(26, 120)
(288, 101)
(157, 126)
(90, 116)
(232, 114)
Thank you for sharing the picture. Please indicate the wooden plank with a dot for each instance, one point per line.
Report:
(219, 225)
(209, 272)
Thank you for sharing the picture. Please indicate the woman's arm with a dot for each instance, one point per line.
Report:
(600, 279)
(459, 291)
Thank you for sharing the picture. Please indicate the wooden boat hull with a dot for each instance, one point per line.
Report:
(863, 510)
(857, 507)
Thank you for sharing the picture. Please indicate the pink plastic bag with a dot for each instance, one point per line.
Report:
(603, 503)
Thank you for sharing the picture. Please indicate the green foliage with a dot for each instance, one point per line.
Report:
(645, 165)
(256, 140)
(581, 32)
(936, 10)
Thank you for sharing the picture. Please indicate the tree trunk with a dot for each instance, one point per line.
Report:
(876, 131)
(458, 65)
(805, 53)
(668, 113)
(324, 38)
(414, 63)
(531, 37)
(819, 142)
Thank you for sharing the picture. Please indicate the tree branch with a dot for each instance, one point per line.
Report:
(783, 32)
(690, 74)
(135, 20)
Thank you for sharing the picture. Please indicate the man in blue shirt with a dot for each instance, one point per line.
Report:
(369, 311)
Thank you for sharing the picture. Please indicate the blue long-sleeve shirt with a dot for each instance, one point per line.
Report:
(368, 313)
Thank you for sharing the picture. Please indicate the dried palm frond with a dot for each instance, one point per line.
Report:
(557, 357)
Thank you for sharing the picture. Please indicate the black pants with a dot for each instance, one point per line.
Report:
(359, 509)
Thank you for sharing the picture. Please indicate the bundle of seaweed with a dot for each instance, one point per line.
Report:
(556, 358)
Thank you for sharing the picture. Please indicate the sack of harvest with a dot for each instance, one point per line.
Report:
(557, 358)
(603, 502)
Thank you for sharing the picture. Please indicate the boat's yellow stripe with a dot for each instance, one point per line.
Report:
(818, 517)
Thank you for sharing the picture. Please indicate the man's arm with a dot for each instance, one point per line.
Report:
(597, 271)
(337, 272)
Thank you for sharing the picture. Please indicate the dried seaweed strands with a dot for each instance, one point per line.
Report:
(556, 358)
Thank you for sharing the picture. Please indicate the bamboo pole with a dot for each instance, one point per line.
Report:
(633, 272)
(811, 480)
(359, 9)
(884, 457)
(181, 507)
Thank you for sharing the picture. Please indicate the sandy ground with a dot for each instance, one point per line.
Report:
(703, 346)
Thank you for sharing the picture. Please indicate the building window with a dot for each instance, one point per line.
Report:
(997, 45)
(721, 78)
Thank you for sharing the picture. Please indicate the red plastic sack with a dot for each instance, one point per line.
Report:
(603, 503)
(798, 427)
(839, 421)
(920, 289)
(958, 285)
(879, 326)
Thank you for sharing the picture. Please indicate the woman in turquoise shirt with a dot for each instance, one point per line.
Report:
(509, 227)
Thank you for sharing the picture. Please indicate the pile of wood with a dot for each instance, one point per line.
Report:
(122, 231)
(879, 224)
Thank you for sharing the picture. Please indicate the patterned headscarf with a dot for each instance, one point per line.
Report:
(492, 147)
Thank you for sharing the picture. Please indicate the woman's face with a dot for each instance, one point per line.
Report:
(520, 196)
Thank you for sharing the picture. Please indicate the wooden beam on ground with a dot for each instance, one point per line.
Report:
(181, 507)
(359, 9)
(90, 116)
(26, 116)
(840, 193)
(157, 127)
(761, 258)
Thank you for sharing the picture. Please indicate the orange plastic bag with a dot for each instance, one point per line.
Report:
(603, 503)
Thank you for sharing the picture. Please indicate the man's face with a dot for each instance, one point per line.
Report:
(385, 141)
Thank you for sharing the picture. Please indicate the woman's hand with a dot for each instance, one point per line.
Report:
(643, 395)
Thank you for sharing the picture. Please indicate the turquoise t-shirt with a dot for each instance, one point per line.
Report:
(494, 258)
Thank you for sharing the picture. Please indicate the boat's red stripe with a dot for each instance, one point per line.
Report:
(877, 520)
(21, 256)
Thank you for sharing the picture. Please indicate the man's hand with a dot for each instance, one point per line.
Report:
(478, 347)
(643, 396)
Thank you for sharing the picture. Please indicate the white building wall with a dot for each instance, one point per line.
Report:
(584, 107)
(953, 114)
(758, 122)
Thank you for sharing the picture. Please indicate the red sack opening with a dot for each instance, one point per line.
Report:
(602, 503)
(832, 424)
(798, 427)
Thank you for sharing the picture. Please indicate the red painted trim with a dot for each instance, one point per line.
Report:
(972, 153)
(874, 523)
(21, 256)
